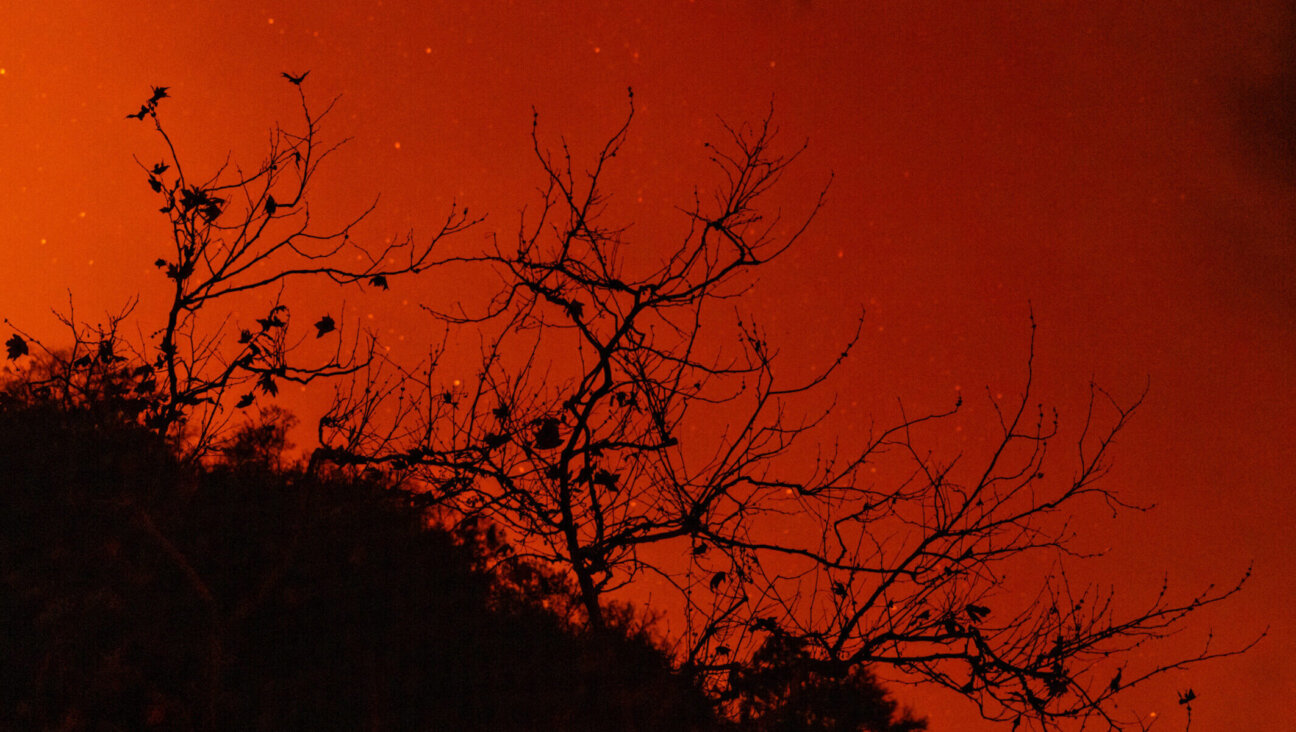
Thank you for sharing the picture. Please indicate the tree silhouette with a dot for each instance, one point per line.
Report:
(623, 425)
(238, 236)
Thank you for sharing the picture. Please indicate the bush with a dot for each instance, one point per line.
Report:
(140, 591)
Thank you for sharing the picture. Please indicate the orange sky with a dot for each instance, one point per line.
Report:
(1126, 168)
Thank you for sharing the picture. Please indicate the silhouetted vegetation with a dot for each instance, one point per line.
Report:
(144, 591)
(625, 420)
(785, 688)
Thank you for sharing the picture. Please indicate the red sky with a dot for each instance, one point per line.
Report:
(1127, 169)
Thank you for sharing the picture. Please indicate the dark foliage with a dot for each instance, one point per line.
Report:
(140, 591)
(785, 689)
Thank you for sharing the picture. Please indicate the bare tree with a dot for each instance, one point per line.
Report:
(239, 236)
(624, 424)
(627, 421)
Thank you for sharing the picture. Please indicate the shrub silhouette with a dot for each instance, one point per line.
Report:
(785, 689)
(143, 592)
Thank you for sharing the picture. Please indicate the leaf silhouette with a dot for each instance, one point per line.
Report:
(606, 479)
(548, 437)
(245, 401)
(378, 281)
(179, 272)
(210, 212)
(295, 80)
(324, 325)
(192, 197)
(268, 385)
(16, 347)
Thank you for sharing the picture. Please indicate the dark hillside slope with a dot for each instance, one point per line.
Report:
(141, 593)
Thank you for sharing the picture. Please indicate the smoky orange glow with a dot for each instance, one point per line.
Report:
(1126, 173)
